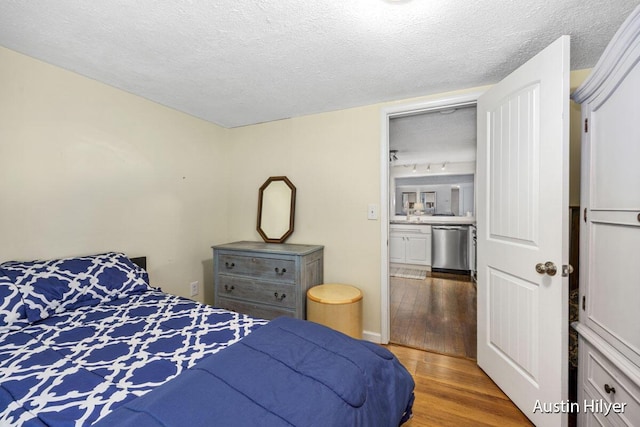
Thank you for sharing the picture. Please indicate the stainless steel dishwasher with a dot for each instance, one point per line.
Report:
(450, 248)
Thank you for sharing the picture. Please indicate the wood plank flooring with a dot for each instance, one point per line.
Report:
(452, 391)
(434, 314)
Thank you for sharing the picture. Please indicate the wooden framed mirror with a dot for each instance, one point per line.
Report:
(276, 209)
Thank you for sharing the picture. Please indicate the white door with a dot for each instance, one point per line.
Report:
(522, 219)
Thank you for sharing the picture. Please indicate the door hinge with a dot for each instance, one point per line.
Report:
(586, 125)
(584, 302)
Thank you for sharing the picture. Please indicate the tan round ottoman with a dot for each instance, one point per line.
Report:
(336, 306)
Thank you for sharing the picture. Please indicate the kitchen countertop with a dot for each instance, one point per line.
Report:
(437, 220)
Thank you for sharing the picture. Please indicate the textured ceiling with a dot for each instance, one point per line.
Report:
(236, 63)
(446, 135)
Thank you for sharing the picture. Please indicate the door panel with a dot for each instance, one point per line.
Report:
(513, 322)
(513, 184)
(522, 220)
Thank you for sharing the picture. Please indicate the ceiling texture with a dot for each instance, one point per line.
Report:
(237, 63)
(442, 136)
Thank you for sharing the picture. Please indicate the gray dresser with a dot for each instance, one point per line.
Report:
(266, 280)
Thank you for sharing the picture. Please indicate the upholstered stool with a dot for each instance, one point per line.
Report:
(336, 306)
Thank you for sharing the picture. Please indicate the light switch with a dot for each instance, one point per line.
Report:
(372, 211)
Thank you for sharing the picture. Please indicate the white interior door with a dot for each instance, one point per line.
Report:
(522, 219)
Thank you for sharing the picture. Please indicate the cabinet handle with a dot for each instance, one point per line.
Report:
(279, 298)
(226, 264)
(609, 389)
(229, 289)
(280, 272)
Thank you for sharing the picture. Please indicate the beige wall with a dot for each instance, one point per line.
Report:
(333, 159)
(87, 168)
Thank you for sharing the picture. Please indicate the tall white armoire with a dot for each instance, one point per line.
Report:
(609, 304)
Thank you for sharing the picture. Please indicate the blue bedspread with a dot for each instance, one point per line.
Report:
(75, 367)
(287, 373)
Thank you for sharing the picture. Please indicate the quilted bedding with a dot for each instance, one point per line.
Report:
(75, 367)
(86, 341)
(288, 373)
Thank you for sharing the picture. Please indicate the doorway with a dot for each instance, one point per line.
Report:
(435, 310)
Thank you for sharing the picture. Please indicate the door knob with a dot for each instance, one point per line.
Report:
(567, 270)
(548, 268)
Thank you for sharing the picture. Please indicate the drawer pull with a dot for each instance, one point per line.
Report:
(609, 389)
(281, 297)
(229, 265)
(229, 289)
(280, 272)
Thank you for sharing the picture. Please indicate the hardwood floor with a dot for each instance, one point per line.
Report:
(434, 314)
(452, 391)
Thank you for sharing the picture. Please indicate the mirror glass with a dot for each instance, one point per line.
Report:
(276, 209)
(434, 195)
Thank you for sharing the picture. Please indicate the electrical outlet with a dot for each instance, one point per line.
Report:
(194, 288)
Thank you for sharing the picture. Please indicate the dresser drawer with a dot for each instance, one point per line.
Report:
(605, 381)
(266, 280)
(267, 268)
(591, 418)
(278, 294)
(254, 310)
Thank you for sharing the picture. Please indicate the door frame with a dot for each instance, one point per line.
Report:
(465, 98)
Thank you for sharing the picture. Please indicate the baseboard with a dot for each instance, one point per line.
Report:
(373, 337)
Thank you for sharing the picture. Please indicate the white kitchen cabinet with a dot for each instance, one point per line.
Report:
(609, 325)
(409, 244)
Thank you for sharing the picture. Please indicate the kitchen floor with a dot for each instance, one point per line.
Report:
(435, 314)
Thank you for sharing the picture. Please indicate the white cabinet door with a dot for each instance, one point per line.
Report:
(397, 248)
(610, 200)
(419, 249)
(410, 247)
(523, 221)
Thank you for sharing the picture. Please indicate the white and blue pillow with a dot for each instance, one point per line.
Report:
(12, 311)
(54, 286)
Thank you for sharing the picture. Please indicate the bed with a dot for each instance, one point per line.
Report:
(87, 341)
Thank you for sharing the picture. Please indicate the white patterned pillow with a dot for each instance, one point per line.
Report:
(55, 286)
(12, 312)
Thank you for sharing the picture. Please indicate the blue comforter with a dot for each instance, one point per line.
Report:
(76, 367)
(287, 373)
